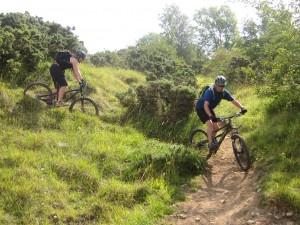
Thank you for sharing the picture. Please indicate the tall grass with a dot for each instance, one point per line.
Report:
(272, 136)
(62, 168)
(178, 132)
(276, 143)
(110, 81)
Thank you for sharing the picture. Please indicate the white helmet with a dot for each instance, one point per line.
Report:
(220, 80)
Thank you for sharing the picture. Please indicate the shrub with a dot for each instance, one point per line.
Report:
(128, 98)
(165, 101)
(108, 58)
(26, 42)
(180, 162)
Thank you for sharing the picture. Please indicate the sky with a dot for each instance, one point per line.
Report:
(114, 24)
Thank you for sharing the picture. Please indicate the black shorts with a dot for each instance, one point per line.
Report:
(58, 76)
(202, 114)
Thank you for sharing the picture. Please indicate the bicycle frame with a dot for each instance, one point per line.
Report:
(227, 128)
(239, 147)
(53, 96)
(73, 91)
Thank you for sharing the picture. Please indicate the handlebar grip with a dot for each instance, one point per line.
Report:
(243, 111)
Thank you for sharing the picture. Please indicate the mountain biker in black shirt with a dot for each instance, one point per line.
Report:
(66, 60)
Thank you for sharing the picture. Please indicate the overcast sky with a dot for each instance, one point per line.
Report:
(113, 24)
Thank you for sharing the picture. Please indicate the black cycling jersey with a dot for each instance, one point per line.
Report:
(63, 60)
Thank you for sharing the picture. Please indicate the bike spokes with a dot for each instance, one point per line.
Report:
(40, 92)
(201, 144)
(84, 105)
(198, 139)
(241, 152)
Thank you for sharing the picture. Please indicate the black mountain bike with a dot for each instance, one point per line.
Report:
(79, 102)
(198, 139)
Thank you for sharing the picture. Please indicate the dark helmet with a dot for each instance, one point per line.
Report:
(80, 55)
(220, 80)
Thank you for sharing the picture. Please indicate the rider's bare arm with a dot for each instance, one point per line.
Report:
(206, 108)
(75, 70)
(237, 104)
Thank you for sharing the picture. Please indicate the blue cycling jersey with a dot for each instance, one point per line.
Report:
(213, 97)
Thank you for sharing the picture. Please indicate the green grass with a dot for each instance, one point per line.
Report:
(63, 168)
(272, 137)
(274, 141)
(276, 144)
(110, 81)
(175, 133)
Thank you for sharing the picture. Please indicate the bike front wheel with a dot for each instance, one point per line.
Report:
(241, 152)
(40, 92)
(198, 139)
(84, 105)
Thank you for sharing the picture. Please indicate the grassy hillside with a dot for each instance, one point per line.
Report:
(110, 81)
(274, 141)
(272, 135)
(63, 168)
(106, 83)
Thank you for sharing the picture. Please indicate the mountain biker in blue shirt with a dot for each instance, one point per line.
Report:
(65, 60)
(206, 104)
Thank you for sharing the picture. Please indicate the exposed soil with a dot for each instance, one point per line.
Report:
(227, 196)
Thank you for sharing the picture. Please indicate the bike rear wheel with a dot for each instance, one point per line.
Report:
(40, 92)
(198, 139)
(84, 105)
(241, 152)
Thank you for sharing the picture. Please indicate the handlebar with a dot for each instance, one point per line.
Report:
(82, 85)
(232, 116)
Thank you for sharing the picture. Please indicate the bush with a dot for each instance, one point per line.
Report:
(26, 42)
(158, 59)
(181, 162)
(108, 58)
(239, 70)
(166, 101)
(128, 98)
(182, 102)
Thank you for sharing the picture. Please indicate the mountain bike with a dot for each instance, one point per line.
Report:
(76, 97)
(199, 140)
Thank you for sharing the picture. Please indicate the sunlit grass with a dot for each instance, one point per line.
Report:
(58, 167)
(274, 142)
(63, 168)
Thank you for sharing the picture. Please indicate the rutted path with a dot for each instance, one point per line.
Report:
(226, 196)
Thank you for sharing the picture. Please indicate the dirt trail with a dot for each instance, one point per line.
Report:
(226, 196)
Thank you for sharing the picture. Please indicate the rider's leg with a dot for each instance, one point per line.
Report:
(210, 125)
(210, 130)
(58, 77)
(61, 93)
(212, 143)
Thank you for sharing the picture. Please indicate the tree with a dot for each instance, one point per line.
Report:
(107, 58)
(178, 31)
(251, 42)
(158, 59)
(276, 53)
(215, 28)
(26, 42)
(169, 92)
